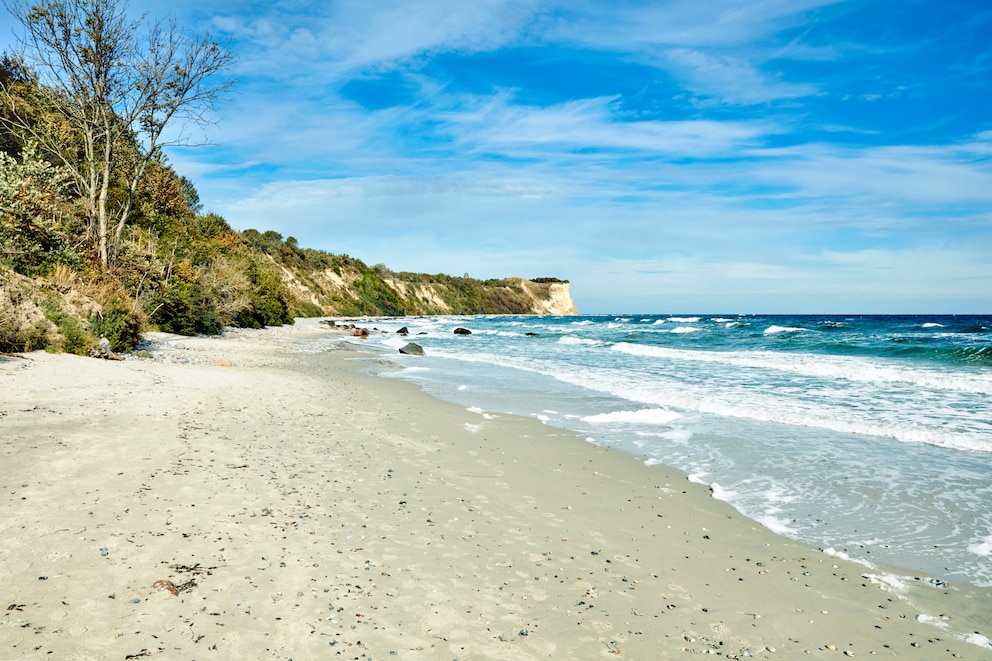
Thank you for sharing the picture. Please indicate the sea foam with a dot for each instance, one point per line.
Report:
(866, 370)
(642, 416)
(578, 341)
(983, 548)
(773, 330)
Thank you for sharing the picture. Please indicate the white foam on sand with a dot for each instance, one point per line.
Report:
(774, 524)
(889, 581)
(724, 494)
(932, 620)
(843, 556)
(977, 639)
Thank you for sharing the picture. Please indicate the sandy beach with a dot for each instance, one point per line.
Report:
(248, 497)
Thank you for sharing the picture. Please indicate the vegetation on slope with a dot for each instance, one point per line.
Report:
(69, 276)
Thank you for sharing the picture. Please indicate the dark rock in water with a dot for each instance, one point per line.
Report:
(531, 334)
(412, 349)
(462, 331)
(403, 331)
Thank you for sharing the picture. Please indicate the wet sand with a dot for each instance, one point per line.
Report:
(286, 507)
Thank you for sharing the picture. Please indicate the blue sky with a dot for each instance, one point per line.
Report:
(671, 156)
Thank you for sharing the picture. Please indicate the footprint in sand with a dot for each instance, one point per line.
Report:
(720, 629)
(600, 626)
(680, 590)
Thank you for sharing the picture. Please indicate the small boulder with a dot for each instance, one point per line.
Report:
(105, 351)
(412, 349)
(403, 331)
(462, 331)
(223, 362)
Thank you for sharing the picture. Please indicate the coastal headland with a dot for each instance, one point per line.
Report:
(253, 496)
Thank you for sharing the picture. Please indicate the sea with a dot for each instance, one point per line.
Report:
(864, 436)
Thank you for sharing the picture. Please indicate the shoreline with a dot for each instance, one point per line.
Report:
(301, 509)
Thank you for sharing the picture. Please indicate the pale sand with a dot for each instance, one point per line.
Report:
(326, 514)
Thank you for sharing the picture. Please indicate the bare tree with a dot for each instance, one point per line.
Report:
(111, 95)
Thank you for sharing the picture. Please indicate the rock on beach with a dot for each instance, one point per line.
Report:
(412, 349)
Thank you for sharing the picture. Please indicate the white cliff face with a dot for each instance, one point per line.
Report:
(561, 300)
(549, 298)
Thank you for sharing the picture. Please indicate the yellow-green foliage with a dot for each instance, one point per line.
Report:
(20, 330)
(31, 236)
(73, 335)
(16, 337)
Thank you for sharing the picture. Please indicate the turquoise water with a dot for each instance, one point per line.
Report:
(867, 435)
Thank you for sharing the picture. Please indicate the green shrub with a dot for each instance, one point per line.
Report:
(378, 298)
(271, 304)
(184, 308)
(31, 240)
(119, 323)
(308, 309)
(75, 337)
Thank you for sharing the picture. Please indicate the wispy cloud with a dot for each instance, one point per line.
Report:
(730, 79)
(598, 124)
(952, 176)
(717, 24)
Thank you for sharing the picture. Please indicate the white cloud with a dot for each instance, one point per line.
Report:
(395, 30)
(901, 176)
(594, 124)
(732, 79)
(335, 38)
(716, 23)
